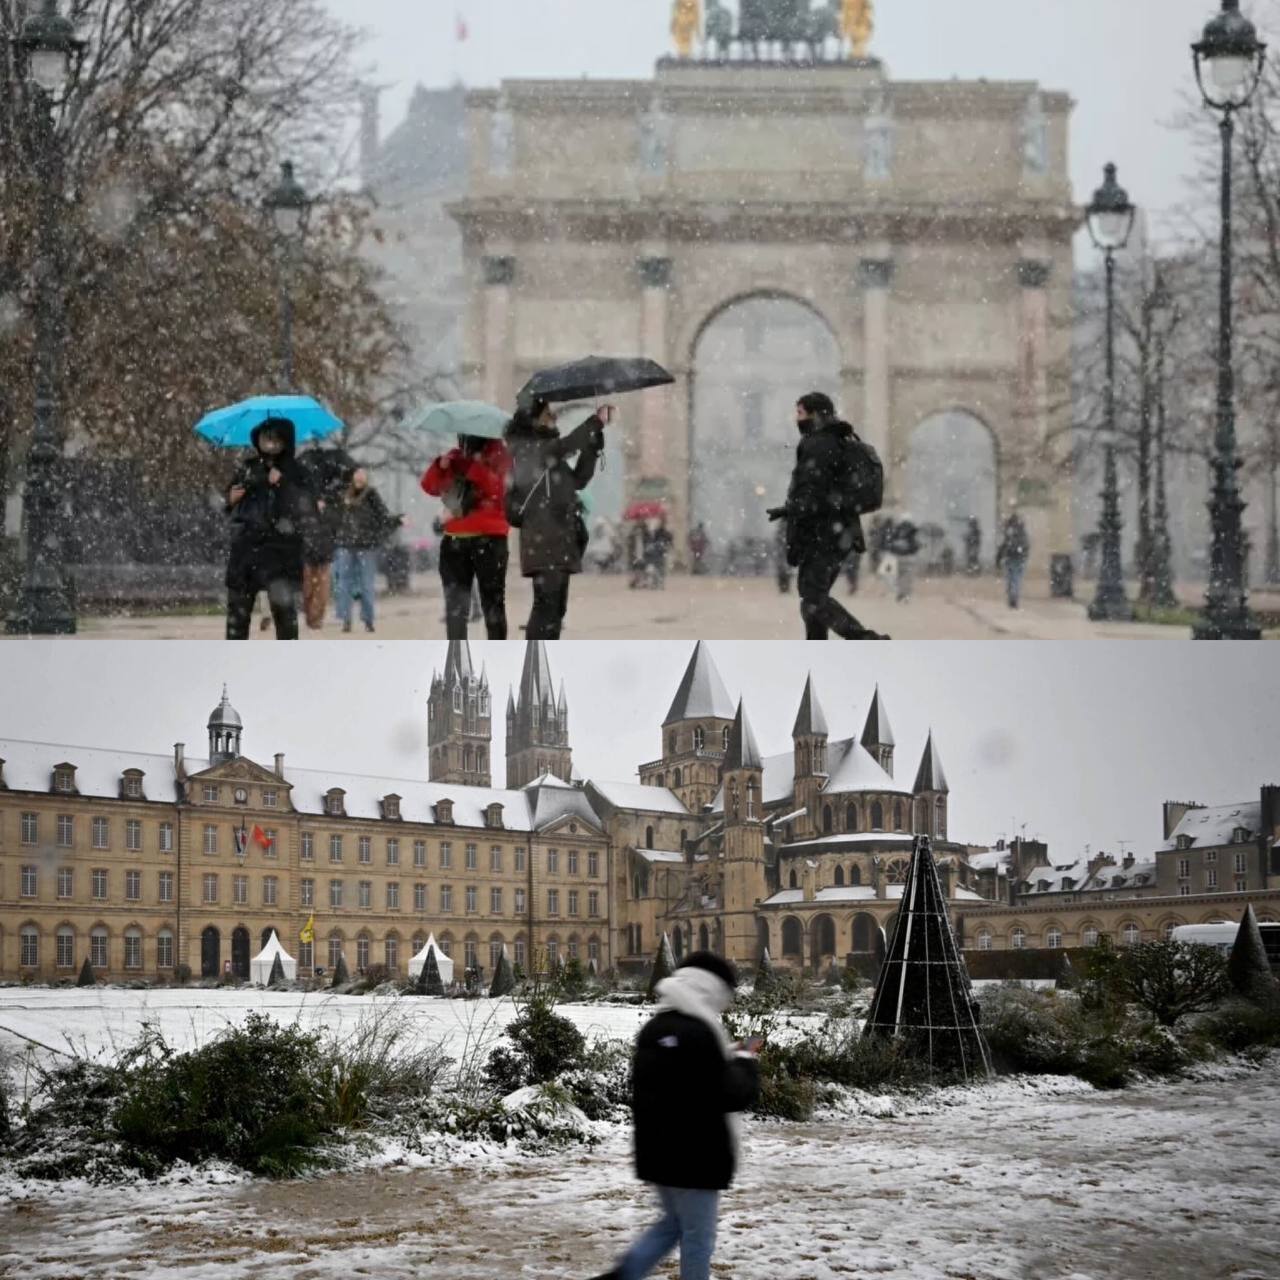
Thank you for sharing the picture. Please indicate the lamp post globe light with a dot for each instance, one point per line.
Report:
(1163, 313)
(1110, 219)
(1229, 60)
(45, 54)
(287, 204)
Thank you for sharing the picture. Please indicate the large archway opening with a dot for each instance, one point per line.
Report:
(751, 363)
(952, 478)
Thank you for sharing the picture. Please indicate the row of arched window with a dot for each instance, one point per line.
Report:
(874, 815)
(69, 948)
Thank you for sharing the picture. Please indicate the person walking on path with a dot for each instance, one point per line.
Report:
(699, 548)
(364, 524)
(838, 478)
(688, 1081)
(271, 507)
(328, 471)
(543, 504)
(1015, 549)
(904, 544)
(472, 481)
(973, 547)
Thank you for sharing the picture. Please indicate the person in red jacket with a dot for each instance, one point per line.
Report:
(471, 480)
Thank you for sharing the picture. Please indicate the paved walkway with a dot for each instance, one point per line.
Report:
(706, 608)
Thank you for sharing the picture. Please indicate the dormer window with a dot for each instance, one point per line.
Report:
(1042, 886)
(333, 802)
(1117, 882)
(391, 807)
(1183, 842)
(64, 778)
(1068, 882)
(131, 784)
(444, 811)
(493, 815)
(1240, 835)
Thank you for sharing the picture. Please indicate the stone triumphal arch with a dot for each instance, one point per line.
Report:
(925, 228)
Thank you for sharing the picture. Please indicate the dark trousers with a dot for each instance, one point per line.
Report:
(282, 596)
(550, 604)
(482, 561)
(820, 613)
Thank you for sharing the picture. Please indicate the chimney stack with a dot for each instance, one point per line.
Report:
(179, 764)
(280, 765)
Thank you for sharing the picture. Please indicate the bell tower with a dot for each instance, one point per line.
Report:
(459, 721)
(225, 727)
(537, 723)
(743, 878)
(930, 794)
(809, 739)
(877, 737)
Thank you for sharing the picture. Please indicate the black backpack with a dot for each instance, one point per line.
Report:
(863, 478)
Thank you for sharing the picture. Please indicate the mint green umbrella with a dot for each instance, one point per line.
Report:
(462, 418)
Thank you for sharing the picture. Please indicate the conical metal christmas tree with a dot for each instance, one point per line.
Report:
(923, 994)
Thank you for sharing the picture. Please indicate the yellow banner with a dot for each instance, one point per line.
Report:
(308, 933)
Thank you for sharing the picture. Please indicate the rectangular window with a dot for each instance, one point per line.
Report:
(101, 834)
(29, 828)
(362, 953)
(365, 849)
(335, 952)
(520, 902)
(308, 887)
(1210, 856)
(166, 886)
(166, 837)
(335, 848)
(66, 882)
(240, 890)
(446, 898)
(133, 788)
(30, 955)
(573, 902)
(472, 898)
(393, 895)
(98, 949)
(419, 897)
(495, 901)
(419, 853)
(28, 881)
(133, 951)
(210, 839)
(306, 957)
(593, 902)
(270, 888)
(446, 855)
(1211, 878)
(210, 793)
(164, 951)
(519, 859)
(364, 893)
(210, 888)
(66, 831)
(469, 953)
(99, 879)
(273, 846)
(391, 950)
(1184, 868)
(573, 948)
(1242, 883)
(66, 949)
(133, 886)
(393, 852)
(308, 846)
(133, 835)
(471, 857)
(553, 902)
(593, 950)
(1242, 863)
(269, 798)
(572, 855)
(495, 857)
(553, 862)
(335, 893)
(520, 952)
(593, 864)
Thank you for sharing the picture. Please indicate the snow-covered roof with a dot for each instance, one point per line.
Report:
(1213, 826)
(809, 718)
(701, 692)
(28, 766)
(930, 775)
(742, 752)
(997, 858)
(556, 800)
(850, 838)
(634, 795)
(855, 769)
(1108, 875)
(790, 817)
(661, 855)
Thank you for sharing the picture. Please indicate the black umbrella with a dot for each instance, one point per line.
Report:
(594, 377)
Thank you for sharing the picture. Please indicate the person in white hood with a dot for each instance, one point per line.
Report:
(688, 1082)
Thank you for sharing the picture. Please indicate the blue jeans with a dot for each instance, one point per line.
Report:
(689, 1220)
(354, 573)
(1013, 571)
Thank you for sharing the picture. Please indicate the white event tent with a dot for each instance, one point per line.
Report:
(261, 965)
(445, 964)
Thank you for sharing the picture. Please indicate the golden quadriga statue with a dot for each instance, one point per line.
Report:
(858, 24)
(686, 25)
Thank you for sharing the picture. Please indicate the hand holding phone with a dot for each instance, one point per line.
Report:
(606, 413)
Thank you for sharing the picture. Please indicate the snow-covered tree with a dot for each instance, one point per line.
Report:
(1248, 968)
(664, 965)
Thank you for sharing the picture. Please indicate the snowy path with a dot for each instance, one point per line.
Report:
(1016, 1182)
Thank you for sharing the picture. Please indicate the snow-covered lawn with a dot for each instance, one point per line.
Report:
(1014, 1180)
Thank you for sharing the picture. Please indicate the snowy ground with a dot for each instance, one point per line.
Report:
(722, 609)
(1044, 1179)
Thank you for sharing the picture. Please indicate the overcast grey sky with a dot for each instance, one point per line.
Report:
(1081, 742)
(1127, 63)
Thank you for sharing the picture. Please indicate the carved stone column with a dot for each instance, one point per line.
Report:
(499, 274)
(875, 275)
(655, 281)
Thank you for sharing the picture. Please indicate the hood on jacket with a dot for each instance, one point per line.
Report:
(285, 428)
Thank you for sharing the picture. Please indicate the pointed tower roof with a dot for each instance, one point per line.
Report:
(564, 697)
(224, 715)
(810, 722)
(511, 702)
(535, 677)
(457, 663)
(701, 692)
(929, 776)
(877, 730)
(743, 752)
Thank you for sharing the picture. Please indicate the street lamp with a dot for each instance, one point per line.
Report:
(1110, 219)
(287, 205)
(45, 55)
(1229, 59)
(1163, 313)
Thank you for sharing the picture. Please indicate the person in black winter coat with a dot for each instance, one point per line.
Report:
(822, 526)
(688, 1081)
(364, 524)
(272, 508)
(328, 470)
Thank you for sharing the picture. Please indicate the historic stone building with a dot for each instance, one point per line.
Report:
(765, 213)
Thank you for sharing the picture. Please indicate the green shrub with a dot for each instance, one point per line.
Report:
(1241, 1024)
(783, 1095)
(86, 978)
(341, 974)
(1172, 979)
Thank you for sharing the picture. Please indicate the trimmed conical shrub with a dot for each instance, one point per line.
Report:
(340, 975)
(504, 978)
(1066, 974)
(277, 972)
(664, 965)
(429, 983)
(766, 974)
(86, 978)
(1248, 967)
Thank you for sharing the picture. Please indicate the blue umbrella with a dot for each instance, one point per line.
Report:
(462, 418)
(231, 428)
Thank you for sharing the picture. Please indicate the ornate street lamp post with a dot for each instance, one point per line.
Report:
(1228, 60)
(287, 205)
(45, 53)
(1162, 314)
(1110, 219)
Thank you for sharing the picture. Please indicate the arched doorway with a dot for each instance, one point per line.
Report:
(823, 940)
(210, 952)
(240, 951)
(791, 938)
(704, 938)
(864, 933)
(951, 476)
(677, 942)
(762, 937)
(751, 362)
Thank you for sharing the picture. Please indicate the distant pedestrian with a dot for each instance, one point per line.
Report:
(543, 504)
(1014, 551)
(472, 481)
(838, 478)
(699, 548)
(688, 1081)
(973, 547)
(657, 545)
(364, 524)
(271, 507)
(636, 555)
(328, 471)
(904, 544)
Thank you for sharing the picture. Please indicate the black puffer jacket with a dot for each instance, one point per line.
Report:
(328, 471)
(364, 523)
(270, 523)
(818, 516)
(683, 1088)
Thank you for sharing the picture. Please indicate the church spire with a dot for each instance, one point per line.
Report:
(877, 737)
(459, 721)
(538, 723)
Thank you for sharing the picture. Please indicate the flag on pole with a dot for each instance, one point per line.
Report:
(260, 837)
(462, 29)
(308, 933)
